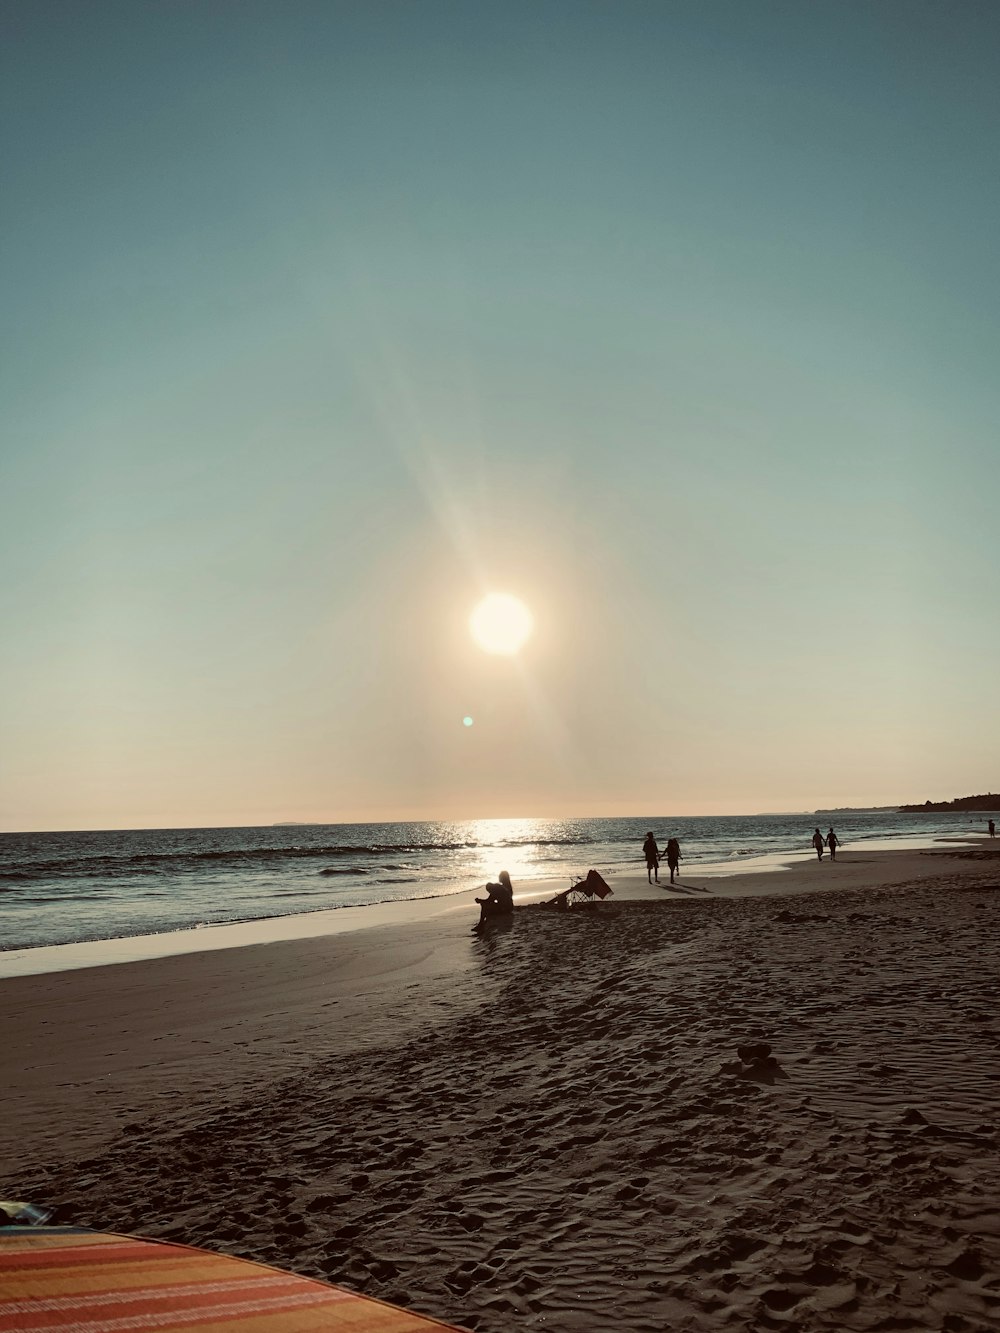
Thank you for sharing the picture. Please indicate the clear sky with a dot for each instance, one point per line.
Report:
(678, 320)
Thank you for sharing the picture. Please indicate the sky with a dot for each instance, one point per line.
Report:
(677, 320)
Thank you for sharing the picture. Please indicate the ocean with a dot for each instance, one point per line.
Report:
(58, 888)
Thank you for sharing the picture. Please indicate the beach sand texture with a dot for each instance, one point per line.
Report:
(549, 1126)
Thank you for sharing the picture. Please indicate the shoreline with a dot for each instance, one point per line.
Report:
(549, 1123)
(116, 950)
(64, 1032)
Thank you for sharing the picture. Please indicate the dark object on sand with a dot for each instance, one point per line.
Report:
(756, 1050)
(756, 1063)
(593, 885)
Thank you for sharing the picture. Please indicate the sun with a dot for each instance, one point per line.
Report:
(501, 623)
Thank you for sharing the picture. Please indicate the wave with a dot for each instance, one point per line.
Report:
(154, 863)
(181, 927)
(62, 898)
(550, 842)
(151, 863)
(72, 870)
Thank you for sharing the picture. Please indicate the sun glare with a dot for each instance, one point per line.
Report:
(500, 623)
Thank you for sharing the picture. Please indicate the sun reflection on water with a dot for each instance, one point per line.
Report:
(519, 852)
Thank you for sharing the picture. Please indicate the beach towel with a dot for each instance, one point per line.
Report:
(55, 1278)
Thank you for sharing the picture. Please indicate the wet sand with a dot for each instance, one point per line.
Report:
(550, 1126)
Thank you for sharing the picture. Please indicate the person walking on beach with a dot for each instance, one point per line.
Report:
(993, 829)
(833, 842)
(673, 856)
(652, 854)
(499, 901)
(818, 844)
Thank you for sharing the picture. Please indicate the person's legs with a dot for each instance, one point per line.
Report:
(819, 853)
(489, 911)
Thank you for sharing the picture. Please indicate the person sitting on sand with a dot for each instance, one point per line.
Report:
(499, 901)
(817, 841)
(833, 842)
(652, 854)
(673, 856)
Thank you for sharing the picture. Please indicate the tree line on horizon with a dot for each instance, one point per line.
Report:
(989, 801)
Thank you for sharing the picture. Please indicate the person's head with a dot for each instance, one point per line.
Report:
(505, 879)
(649, 834)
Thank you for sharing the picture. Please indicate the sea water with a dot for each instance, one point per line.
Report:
(57, 888)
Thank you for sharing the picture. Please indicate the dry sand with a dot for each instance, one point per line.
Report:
(549, 1126)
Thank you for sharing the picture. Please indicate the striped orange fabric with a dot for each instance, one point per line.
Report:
(54, 1278)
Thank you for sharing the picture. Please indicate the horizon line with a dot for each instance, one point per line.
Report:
(469, 819)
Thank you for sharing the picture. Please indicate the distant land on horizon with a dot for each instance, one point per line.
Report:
(988, 801)
(859, 810)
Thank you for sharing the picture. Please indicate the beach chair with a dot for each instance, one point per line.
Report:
(592, 885)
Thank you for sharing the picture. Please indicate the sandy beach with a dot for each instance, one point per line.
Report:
(550, 1126)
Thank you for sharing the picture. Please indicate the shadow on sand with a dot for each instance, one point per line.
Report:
(488, 935)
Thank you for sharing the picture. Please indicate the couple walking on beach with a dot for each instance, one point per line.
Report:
(819, 842)
(671, 854)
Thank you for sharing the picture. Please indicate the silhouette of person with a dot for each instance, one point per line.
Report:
(817, 841)
(992, 828)
(652, 855)
(673, 856)
(499, 901)
(833, 842)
